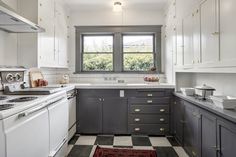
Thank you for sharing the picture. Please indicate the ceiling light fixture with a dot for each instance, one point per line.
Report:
(117, 7)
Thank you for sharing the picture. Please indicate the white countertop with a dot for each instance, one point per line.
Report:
(118, 85)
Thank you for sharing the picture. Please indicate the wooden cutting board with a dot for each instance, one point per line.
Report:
(34, 75)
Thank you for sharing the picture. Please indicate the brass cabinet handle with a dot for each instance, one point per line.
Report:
(194, 153)
(137, 110)
(215, 33)
(149, 95)
(162, 110)
(137, 119)
(162, 120)
(162, 129)
(149, 101)
(136, 129)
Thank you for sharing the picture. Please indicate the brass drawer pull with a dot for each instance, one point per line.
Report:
(149, 101)
(149, 95)
(137, 110)
(137, 119)
(162, 129)
(136, 129)
(162, 110)
(162, 120)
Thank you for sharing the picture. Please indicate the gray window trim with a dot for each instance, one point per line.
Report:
(117, 31)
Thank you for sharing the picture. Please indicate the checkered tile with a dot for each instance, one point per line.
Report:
(84, 146)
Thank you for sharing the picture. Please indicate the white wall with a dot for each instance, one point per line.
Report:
(224, 84)
(8, 42)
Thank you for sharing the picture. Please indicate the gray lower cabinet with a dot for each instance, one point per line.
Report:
(191, 129)
(130, 111)
(208, 134)
(226, 139)
(178, 120)
(115, 112)
(90, 115)
(203, 133)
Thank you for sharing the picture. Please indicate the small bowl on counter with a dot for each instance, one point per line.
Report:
(188, 91)
(224, 102)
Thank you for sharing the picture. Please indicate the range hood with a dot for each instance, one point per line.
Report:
(12, 22)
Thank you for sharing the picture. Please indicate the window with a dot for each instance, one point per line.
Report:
(118, 49)
(138, 52)
(97, 52)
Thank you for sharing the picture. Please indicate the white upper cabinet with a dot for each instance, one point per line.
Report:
(46, 19)
(61, 35)
(196, 36)
(227, 32)
(209, 33)
(188, 40)
(179, 43)
(47, 49)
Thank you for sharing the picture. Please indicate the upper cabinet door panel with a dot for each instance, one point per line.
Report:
(228, 31)
(209, 32)
(179, 43)
(188, 40)
(196, 36)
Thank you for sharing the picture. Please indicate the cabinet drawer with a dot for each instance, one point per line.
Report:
(148, 119)
(161, 109)
(156, 101)
(151, 93)
(149, 129)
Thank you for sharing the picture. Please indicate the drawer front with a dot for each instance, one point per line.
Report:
(157, 101)
(148, 119)
(149, 129)
(146, 109)
(151, 93)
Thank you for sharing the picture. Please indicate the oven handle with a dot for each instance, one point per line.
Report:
(25, 114)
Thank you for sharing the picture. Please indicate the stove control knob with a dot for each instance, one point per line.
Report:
(9, 78)
(17, 77)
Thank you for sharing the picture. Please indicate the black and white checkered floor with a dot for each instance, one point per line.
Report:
(84, 146)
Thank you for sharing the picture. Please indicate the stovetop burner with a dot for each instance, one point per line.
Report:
(23, 99)
(6, 106)
(3, 97)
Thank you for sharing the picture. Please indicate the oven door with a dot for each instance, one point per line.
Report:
(27, 134)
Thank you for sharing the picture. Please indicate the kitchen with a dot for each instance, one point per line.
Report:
(151, 78)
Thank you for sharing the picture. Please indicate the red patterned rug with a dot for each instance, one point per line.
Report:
(120, 152)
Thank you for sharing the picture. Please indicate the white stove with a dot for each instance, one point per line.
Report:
(31, 125)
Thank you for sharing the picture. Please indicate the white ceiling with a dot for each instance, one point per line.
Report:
(77, 5)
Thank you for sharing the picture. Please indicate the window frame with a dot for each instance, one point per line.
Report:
(153, 53)
(117, 32)
(82, 53)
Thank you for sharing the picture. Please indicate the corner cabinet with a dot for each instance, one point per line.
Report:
(49, 48)
(203, 133)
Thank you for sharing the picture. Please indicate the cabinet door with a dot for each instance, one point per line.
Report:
(209, 32)
(90, 115)
(46, 19)
(227, 32)
(179, 43)
(188, 40)
(208, 131)
(179, 120)
(61, 36)
(191, 130)
(115, 112)
(196, 36)
(226, 139)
